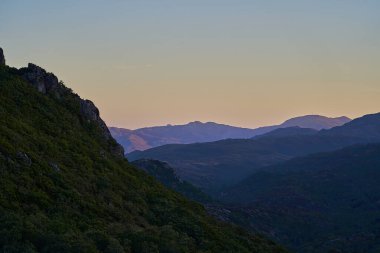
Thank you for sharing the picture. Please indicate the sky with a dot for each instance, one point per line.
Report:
(239, 62)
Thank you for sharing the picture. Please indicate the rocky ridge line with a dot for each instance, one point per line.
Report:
(47, 83)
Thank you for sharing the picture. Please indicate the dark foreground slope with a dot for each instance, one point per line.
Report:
(166, 175)
(65, 187)
(315, 203)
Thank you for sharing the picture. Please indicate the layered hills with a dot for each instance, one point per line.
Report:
(197, 132)
(216, 165)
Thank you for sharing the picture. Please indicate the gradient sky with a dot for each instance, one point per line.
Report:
(241, 62)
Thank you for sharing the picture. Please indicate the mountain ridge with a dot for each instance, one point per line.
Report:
(216, 165)
(198, 132)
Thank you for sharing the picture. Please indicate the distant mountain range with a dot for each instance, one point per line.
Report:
(312, 191)
(213, 166)
(145, 138)
(198, 132)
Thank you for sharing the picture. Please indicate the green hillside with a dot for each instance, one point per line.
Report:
(65, 186)
(166, 175)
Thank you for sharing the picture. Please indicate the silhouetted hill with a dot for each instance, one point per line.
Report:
(366, 127)
(197, 132)
(315, 203)
(288, 131)
(66, 187)
(315, 122)
(145, 138)
(215, 165)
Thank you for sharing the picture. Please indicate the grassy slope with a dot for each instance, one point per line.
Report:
(63, 191)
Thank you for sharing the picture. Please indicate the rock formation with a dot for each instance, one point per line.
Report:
(39, 78)
(47, 83)
(2, 58)
(90, 113)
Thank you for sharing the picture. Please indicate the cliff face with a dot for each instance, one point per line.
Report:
(44, 82)
(90, 113)
(48, 84)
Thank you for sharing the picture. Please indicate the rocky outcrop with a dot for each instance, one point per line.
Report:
(47, 83)
(90, 113)
(39, 78)
(2, 58)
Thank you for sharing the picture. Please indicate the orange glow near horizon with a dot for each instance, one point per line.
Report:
(243, 63)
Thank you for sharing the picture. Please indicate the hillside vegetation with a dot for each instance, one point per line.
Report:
(65, 186)
(166, 175)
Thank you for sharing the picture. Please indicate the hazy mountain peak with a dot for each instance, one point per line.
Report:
(197, 131)
(191, 132)
(203, 124)
(316, 121)
(216, 164)
(195, 123)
